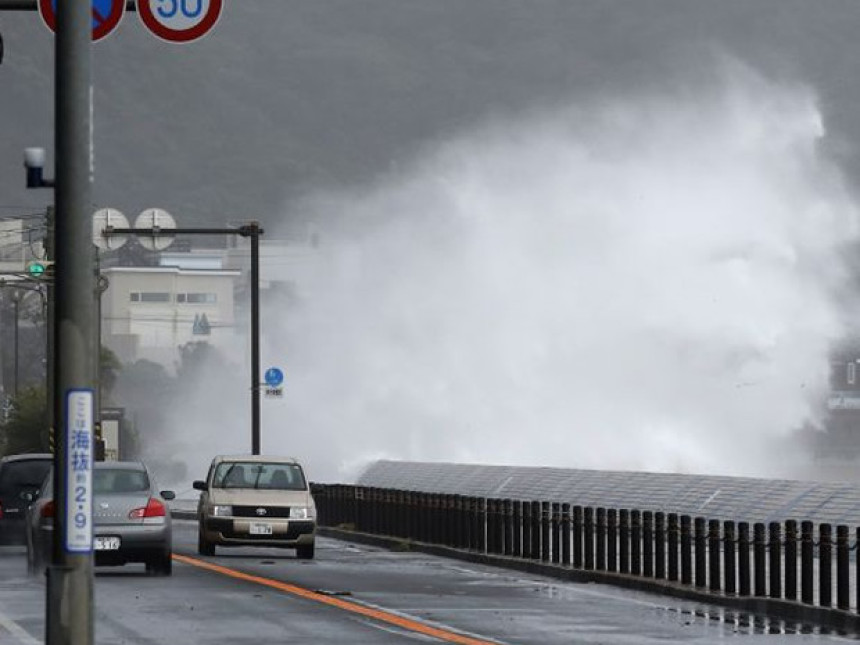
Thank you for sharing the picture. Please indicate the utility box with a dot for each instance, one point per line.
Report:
(111, 423)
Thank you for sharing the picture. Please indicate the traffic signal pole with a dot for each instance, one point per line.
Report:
(70, 575)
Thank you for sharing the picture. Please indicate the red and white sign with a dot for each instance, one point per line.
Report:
(106, 15)
(179, 21)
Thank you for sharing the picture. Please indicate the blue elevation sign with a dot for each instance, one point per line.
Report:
(106, 15)
(274, 377)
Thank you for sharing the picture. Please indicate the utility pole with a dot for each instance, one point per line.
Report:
(70, 576)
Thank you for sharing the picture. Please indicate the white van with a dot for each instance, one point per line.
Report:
(253, 500)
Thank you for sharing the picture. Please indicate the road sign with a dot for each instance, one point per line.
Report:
(106, 15)
(155, 218)
(103, 218)
(179, 21)
(273, 377)
(274, 392)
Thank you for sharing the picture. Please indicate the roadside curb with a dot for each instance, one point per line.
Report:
(795, 612)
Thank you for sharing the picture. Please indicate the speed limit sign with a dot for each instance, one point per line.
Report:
(179, 21)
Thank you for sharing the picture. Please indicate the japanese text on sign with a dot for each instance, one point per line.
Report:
(79, 471)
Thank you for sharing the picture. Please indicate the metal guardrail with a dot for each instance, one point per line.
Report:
(785, 564)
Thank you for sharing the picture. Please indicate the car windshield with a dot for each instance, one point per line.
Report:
(117, 480)
(26, 473)
(234, 474)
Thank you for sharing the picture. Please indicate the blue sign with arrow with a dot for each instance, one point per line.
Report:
(274, 377)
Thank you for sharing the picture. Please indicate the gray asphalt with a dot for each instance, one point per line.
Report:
(201, 606)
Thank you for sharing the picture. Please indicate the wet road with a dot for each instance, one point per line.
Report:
(364, 595)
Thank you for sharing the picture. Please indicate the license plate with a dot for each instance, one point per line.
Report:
(106, 543)
(259, 528)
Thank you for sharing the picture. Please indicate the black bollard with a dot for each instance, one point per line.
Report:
(624, 540)
(686, 550)
(775, 559)
(565, 534)
(759, 563)
(729, 559)
(807, 547)
(555, 523)
(612, 540)
(577, 537)
(701, 550)
(673, 532)
(714, 549)
(842, 567)
(790, 560)
(648, 544)
(825, 565)
(660, 545)
(600, 540)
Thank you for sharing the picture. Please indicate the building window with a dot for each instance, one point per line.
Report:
(197, 298)
(851, 373)
(149, 296)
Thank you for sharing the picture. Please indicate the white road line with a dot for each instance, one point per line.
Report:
(18, 632)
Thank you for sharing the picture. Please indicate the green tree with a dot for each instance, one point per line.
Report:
(24, 430)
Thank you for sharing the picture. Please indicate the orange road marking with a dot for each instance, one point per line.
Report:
(377, 614)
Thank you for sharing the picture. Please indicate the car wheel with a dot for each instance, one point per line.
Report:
(204, 547)
(160, 566)
(305, 552)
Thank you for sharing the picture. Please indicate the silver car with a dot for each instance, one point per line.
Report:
(253, 500)
(131, 520)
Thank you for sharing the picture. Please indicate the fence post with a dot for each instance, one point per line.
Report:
(759, 546)
(600, 538)
(588, 537)
(555, 522)
(577, 537)
(673, 530)
(775, 553)
(790, 560)
(624, 539)
(635, 542)
(825, 565)
(842, 567)
(517, 522)
(536, 536)
(660, 545)
(714, 549)
(527, 529)
(648, 544)
(701, 555)
(729, 550)
(546, 531)
(565, 534)
(807, 547)
(508, 514)
(612, 540)
(744, 569)
(686, 550)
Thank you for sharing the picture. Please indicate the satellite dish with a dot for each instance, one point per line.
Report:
(108, 217)
(155, 218)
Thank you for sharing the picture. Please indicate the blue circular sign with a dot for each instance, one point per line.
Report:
(274, 377)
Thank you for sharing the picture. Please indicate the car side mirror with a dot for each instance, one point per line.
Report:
(168, 495)
(199, 485)
(28, 496)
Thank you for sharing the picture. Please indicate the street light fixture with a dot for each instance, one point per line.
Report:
(34, 162)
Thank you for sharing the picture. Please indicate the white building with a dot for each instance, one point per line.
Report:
(149, 312)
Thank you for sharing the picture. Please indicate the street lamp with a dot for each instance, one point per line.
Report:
(34, 162)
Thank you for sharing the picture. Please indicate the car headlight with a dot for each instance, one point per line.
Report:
(222, 511)
(302, 512)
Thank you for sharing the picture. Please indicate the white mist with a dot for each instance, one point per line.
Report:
(646, 283)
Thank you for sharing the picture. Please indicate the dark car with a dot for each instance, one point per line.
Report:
(131, 521)
(20, 478)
